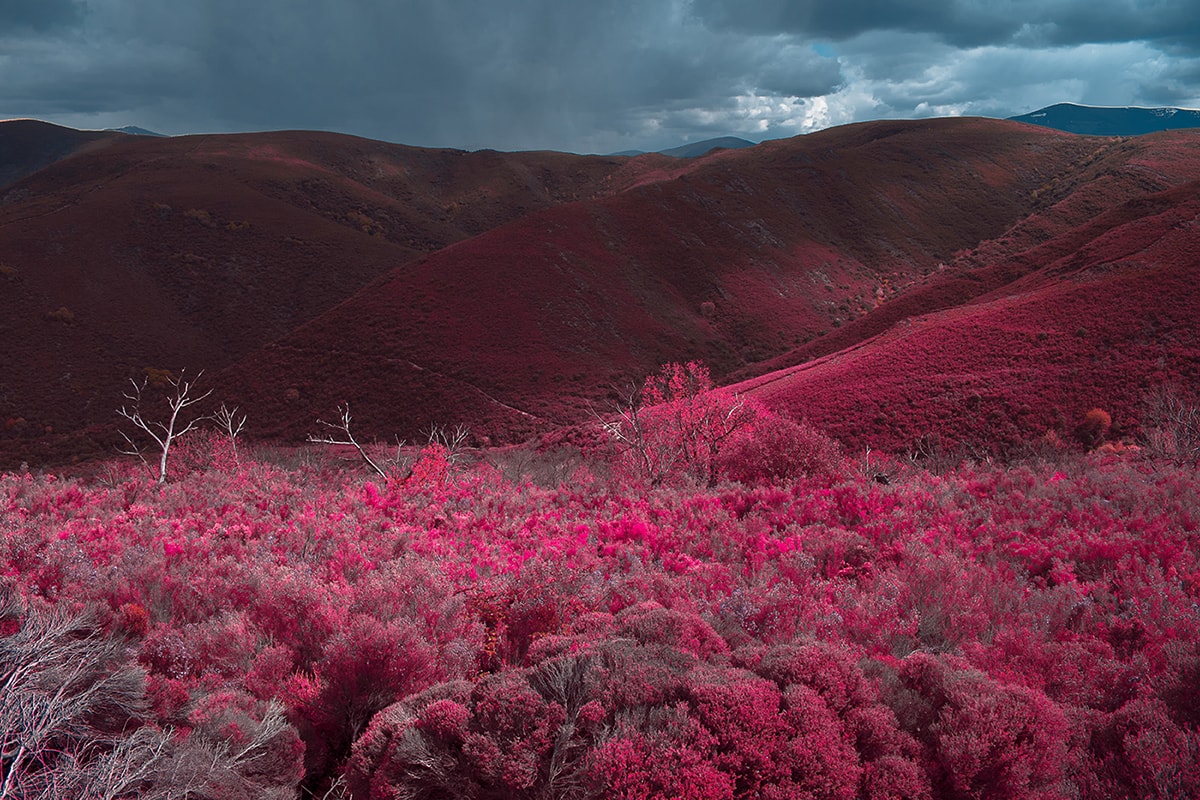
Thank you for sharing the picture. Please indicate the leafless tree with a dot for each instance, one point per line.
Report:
(341, 435)
(1173, 425)
(628, 429)
(454, 440)
(163, 434)
(230, 421)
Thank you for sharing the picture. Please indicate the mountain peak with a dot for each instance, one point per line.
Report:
(1111, 120)
(134, 130)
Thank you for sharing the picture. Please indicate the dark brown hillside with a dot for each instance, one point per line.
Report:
(192, 251)
(27, 145)
(510, 292)
(729, 259)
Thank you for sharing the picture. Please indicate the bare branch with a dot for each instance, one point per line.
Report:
(454, 440)
(230, 421)
(341, 436)
(1173, 425)
(132, 449)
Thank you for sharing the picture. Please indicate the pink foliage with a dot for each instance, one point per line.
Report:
(664, 756)
(984, 737)
(1018, 632)
(775, 448)
(431, 468)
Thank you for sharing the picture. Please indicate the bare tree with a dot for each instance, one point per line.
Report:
(163, 434)
(454, 440)
(230, 421)
(1173, 425)
(341, 435)
(628, 428)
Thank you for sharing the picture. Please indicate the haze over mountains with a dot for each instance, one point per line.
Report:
(981, 280)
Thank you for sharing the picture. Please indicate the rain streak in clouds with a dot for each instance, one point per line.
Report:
(598, 77)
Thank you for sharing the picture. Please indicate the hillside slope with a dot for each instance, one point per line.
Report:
(28, 145)
(191, 252)
(877, 265)
(1091, 302)
(730, 259)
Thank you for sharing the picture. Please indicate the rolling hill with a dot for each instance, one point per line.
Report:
(28, 145)
(141, 252)
(730, 259)
(887, 280)
(1089, 302)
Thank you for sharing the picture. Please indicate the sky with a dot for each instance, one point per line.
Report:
(599, 76)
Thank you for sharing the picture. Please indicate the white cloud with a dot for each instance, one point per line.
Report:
(919, 77)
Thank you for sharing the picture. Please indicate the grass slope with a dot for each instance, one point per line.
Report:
(193, 251)
(729, 259)
(1090, 302)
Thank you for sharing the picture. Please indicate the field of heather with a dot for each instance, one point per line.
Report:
(490, 625)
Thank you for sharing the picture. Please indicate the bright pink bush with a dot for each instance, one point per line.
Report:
(366, 666)
(678, 425)
(1018, 631)
(414, 747)
(660, 755)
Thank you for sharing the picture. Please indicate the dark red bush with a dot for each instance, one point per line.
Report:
(774, 449)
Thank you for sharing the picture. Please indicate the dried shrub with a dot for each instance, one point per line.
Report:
(200, 215)
(76, 721)
(1172, 425)
(62, 315)
(1092, 429)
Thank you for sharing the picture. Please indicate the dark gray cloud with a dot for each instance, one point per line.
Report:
(39, 15)
(600, 76)
(967, 23)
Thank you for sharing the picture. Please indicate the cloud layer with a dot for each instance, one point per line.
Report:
(596, 77)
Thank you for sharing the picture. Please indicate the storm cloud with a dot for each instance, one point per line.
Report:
(597, 77)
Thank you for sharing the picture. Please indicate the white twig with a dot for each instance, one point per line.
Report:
(230, 421)
(342, 436)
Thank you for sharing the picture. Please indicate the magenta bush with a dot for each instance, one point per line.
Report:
(1017, 631)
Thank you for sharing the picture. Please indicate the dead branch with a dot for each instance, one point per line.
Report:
(341, 436)
(230, 421)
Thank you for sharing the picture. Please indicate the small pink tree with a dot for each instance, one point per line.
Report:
(677, 424)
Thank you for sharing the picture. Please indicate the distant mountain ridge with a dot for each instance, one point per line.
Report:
(1111, 121)
(695, 149)
(134, 130)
